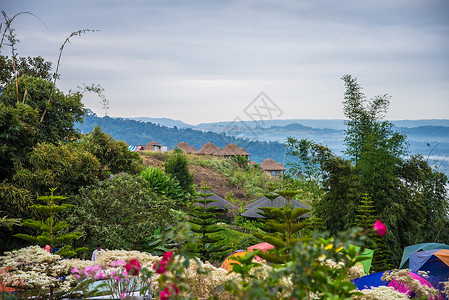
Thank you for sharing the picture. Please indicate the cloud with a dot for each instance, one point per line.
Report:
(176, 58)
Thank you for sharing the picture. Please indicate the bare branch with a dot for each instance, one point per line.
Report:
(67, 40)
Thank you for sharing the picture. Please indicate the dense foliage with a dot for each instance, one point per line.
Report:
(203, 219)
(177, 166)
(140, 133)
(118, 212)
(376, 166)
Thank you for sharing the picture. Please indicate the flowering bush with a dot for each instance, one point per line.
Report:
(35, 272)
(381, 293)
(409, 285)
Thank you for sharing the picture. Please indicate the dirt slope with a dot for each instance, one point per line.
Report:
(219, 185)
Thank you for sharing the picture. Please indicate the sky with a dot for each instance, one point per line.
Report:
(208, 61)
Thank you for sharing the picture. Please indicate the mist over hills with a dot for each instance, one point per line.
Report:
(265, 139)
(337, 124)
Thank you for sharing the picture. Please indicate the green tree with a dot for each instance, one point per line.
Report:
(203, 218)
(113, 155)
(31, 66)
(62, 112)
(118, 212)
(51, 230)
(67, 167)
(18, 129)
(177, 167)
(161, 184)
(376, 166)
(281, 226)
(365, 218)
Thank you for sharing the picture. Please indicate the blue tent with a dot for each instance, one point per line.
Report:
(418, 247)
(435, 261)
(370, 281)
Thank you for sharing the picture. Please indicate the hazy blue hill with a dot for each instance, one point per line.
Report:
(140, 133)
(422, 122)
(265, 141)
(163, 121)
(427, 132)
(319, 123)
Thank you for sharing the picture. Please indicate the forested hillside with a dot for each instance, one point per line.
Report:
(140, 133)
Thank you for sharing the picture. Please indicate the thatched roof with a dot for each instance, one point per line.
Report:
(233, 149)
(209, 149)
(186, 148)
(270, 165)
(150, 145)
(219, 202)
(253, 209)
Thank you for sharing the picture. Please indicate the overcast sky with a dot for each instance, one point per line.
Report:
(206, 61)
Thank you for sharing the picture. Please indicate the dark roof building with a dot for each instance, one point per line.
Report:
(253, 209)
(219, 202)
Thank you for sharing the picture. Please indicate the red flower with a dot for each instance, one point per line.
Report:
(159, 267)
(380, 228)
(133, 267)
(168, 256)
(165, 294)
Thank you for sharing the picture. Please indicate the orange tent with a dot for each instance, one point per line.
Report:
(262, 246)
(229, 261)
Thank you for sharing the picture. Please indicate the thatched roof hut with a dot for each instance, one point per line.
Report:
(233, 150)
(209, 149)
(253, 209)
(219, 202)
(153, 146)
(186, 148)
(270, 165)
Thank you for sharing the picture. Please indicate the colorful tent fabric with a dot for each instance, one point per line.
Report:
(375, 280)
(404, 288)
(435, 261)
(262, 246)
(418, 247)
(367, 256)
(229, 261)
(369, 281)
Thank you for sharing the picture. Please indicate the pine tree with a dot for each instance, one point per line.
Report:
(282, 224)
(365, 218)
(203, 220)
(49, 228)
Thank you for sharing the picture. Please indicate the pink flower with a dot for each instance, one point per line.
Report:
(75, 270)
(123, 295)
(168, 256)
(47, 248)
(117, 263)
(133, 267)
(165, 294)
(380, 228)
(99, 275)
(116, 276)
(88, 270)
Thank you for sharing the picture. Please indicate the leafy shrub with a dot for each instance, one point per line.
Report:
(161, 184)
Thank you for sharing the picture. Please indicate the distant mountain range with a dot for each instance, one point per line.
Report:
(336, 124)
(265, 140)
